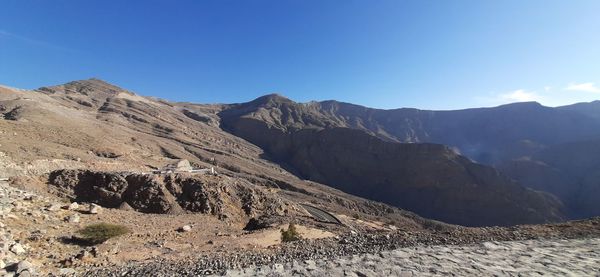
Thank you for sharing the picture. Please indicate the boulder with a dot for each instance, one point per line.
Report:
(73, 206)
(185, 228)
(94, 209)
(53, 207)
(126, 207)
(18, 249)
(183, 166)
(24, 266)
(73, 218)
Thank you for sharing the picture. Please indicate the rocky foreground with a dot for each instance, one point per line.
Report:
(568, 257)
(576, 257)
(35, 231)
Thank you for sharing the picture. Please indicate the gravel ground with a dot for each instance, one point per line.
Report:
(292, 255)
(576, 257)
(35, 223)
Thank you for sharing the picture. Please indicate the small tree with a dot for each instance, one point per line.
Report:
(291, 234)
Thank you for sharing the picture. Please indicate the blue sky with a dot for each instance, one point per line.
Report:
(387, 54)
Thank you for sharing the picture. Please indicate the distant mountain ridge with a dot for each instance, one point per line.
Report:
(318, 144)
(517, 138)
(487, 135)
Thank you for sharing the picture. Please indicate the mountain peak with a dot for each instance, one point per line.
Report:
(271, 99)
(87, 86)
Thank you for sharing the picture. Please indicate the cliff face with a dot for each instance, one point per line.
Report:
(429, 179)
(570, 171)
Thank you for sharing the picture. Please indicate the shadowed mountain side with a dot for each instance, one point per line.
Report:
(428, 179)
(570, 171)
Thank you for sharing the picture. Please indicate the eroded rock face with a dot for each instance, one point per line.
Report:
(147, 193)
(429, 179)
(226, 198)
(570, 171)
(103, 188)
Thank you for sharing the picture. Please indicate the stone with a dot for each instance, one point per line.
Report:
(73, 206)
(4, 245)
(125, 207)
(2, 264)
(94, 209)
(183, 166)
(18, 249)
(185, 228)
(67, 271)
(84, 255)
(490, 245)
(53, 207)
(73, 218)
(24, 266)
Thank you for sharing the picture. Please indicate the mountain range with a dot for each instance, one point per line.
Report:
(512, 164)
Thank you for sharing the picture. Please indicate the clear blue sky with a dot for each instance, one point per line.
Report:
(424, 53)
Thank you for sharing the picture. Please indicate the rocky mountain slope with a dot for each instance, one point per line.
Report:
(93, 122)
(429, 179)
(93, 125)
(67, 149)
(513, 137)
(570, 171)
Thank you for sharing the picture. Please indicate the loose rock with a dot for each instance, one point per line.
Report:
(73, 218)
(73, 206)
(24, 266)
(18, 249)
(185, 228)
(94, 209)
(53, 207)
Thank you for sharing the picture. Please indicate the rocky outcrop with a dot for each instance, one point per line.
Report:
(226, 198)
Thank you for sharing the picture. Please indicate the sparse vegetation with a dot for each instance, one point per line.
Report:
(101, 232)
(291, 234)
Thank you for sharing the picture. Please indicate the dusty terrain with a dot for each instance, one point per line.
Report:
(43, 226)
(93, 125)
(575, 257)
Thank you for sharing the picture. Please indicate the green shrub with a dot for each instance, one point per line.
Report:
(291, 234)
(101, 232)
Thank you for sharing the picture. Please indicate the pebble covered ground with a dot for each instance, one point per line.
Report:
(575, 257)
(32, 228)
